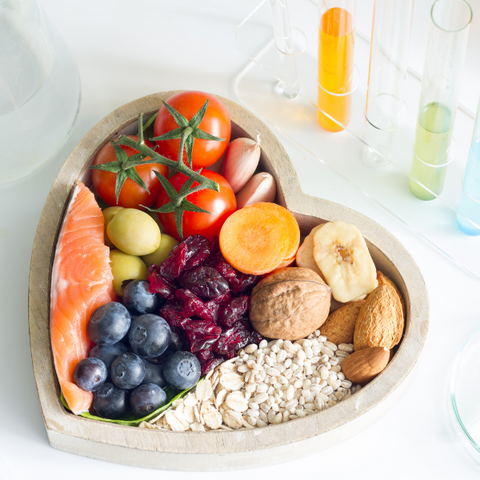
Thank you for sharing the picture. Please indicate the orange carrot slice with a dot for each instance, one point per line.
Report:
(287, 262)
(289, 223)
(253, 241)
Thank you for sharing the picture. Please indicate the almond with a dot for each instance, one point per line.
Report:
(380, 320)
(381, 278)
(366, 364)
(340, 324)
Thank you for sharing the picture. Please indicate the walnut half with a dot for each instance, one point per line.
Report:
(290, 303)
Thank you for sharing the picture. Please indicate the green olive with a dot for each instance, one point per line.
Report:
(108, 214)
(126, 268)
(161, 253)
(134, 232)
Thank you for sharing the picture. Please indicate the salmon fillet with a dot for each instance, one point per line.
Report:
(81, 282)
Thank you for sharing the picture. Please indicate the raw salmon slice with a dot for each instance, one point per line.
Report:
(81, 282)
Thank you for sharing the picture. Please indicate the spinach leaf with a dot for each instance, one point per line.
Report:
(129, 419)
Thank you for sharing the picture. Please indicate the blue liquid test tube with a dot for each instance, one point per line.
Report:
(468, 216)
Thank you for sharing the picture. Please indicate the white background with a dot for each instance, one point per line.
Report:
(128, 49)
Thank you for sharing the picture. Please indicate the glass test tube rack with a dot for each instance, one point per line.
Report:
(433, 221)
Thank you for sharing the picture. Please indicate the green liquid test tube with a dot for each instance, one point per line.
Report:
(432, 148)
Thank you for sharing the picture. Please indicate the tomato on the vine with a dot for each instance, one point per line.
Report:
(216, 122)
(131, 195)
(220, 205)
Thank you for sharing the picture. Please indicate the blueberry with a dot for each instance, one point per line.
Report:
(177, 341)
(146, 398)
(181, 370)
(149, 335)
(153, 374)
(109, 323)
(138, 298)
(128, 371)
(107, 353)
(90, 374)
(110, 401)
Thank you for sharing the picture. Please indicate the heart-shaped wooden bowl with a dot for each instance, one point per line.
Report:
(218, 450)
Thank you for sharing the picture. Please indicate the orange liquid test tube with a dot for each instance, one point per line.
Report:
(336, 35)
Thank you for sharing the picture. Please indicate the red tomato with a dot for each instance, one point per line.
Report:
(132, 195)
(220, 205)
(215, 122)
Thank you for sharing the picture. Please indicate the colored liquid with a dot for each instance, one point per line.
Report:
(335, 67)
(432, 142)
(470, 200)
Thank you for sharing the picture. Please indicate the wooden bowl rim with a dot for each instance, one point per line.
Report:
(290, 195)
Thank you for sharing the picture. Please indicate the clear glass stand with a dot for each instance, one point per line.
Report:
(388, 185)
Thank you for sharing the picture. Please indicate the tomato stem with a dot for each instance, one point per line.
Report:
(178, 166)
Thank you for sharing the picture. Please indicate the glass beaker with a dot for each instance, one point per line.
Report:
(39, 89)
(336, 37)
(447, 44)
(385, 109)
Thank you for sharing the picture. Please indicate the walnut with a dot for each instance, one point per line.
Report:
(290, 304)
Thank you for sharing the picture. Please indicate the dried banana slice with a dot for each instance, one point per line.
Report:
(304, 256)
(343, 258)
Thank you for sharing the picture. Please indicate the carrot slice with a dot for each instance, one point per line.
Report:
(253, 241)
(290, 224)
(287, 262)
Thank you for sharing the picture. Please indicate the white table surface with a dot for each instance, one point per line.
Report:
(126, 50)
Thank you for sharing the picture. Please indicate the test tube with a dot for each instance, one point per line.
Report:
(289, 85)
(447, 44)
(468, 216)
(385, 109)
(336, 32)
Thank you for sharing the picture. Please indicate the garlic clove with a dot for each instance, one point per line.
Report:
(240, 161)
(260, 188)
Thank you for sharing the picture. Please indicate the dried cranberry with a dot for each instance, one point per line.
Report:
(174, 264)
(242, 282)
(192, 305)
(205, 282)
(235, 310)
(233, 339)
(198, 249)
(215, 248)
(211, 364)
(158, 284)
(201, 334)
(173, 314)
(255, 337)
(204, 355)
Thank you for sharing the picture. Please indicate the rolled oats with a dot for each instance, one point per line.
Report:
(271, 383)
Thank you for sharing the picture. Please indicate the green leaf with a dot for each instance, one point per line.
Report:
(191, 207)
(167, 208)
(120, 180)
(179, 221)
(178, 117)
(133, 175)
(169, 189)
(186, 187)
(171, 135)
(113, 167)
(150, 120)
(134, 160)
(205, 136)
(130, 420)
(119, 153)
(196, 120)
(140, 128)
(189, 149)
